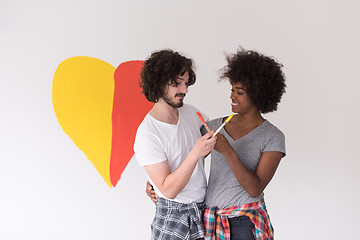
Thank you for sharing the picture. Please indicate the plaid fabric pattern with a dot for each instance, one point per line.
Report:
(217, 225)
(175, 221)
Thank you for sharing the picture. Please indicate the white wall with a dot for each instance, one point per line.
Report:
(49, 190)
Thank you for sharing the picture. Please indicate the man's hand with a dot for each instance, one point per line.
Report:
(204, 145)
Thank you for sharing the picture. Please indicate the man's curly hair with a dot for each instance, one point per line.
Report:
(261, 76)
(160, 68)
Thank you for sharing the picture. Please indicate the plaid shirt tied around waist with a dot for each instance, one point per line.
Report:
(177, 221)
(217, 225)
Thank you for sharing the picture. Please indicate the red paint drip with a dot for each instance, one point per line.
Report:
(129, 109)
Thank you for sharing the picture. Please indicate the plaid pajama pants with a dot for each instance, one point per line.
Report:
(175, 221)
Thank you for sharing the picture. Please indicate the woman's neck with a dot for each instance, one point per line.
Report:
(240, 125)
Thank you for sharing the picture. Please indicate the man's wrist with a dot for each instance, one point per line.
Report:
(193, 156)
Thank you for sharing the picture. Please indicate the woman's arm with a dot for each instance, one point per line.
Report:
(253, 183)
(151, 192)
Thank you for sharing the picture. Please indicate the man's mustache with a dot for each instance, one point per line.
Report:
(180, 94)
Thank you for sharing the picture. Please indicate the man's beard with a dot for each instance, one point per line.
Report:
(172, 103)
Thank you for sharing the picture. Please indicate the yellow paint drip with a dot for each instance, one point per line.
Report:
(83, 90)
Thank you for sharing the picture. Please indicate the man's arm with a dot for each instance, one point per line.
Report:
(170, 184)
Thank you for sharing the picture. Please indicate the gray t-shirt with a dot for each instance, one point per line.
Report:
(223, 189)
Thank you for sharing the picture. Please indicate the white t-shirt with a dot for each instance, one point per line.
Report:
(157, 141)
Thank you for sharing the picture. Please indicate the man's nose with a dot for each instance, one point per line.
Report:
(183, 87)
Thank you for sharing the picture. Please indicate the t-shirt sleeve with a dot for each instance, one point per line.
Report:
(148, 149)
(276, 144)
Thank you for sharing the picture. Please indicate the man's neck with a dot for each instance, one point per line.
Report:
(164, 112)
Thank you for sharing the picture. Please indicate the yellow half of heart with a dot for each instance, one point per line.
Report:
(83, 92)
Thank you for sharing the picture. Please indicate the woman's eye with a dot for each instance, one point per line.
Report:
(239, 93)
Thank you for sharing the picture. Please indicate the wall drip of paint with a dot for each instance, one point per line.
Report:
(99, 108)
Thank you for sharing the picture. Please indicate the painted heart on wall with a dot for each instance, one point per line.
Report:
(99, 108)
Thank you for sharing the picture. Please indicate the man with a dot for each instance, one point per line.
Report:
(170, 147)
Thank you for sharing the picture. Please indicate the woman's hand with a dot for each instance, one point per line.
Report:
(150, 192)
(222, 145)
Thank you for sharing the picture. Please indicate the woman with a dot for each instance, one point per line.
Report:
(247, 152)
(248, 149)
